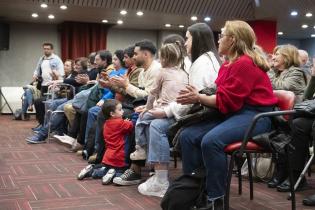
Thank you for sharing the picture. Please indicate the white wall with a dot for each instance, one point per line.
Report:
(18, 63)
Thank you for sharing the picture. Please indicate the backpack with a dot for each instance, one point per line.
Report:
(17, 115)
(186, 191)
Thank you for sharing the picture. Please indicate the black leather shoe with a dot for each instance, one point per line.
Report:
(274, 182)
(285, 186)
(309, 201)
(214, 205)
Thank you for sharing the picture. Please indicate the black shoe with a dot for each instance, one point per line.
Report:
(129, 177)
(285, 186)
(309, 201)
(211, 205)
(275, 181)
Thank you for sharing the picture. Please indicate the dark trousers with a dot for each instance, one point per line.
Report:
(302, 129)
(40, 106)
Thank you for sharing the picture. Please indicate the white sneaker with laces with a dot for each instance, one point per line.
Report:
(139, 154)
(153, 187)
(108, 176)
(85, 171)
(65, 139)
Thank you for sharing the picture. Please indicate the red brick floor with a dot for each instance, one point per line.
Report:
(43, 177)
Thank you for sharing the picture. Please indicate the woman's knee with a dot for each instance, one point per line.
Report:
(212, 143)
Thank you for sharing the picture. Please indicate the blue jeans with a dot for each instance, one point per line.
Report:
(92, 116)
(57, 121)
(202, 144)
(141, 133)
(27, 100)
(159, 148)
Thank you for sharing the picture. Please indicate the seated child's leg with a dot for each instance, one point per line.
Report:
(99, 172)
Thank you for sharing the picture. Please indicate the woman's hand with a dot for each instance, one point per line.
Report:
(190, 95)
(158, 113)
(139, 109)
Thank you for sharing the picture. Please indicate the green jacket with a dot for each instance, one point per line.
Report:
(292, 79)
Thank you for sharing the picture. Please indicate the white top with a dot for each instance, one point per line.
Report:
(46, 72)
(202, 73)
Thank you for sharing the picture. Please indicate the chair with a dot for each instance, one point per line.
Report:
(247, 146)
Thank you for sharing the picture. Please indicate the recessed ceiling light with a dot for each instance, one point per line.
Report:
(304, 26)
(139, 13)
(120, 22)
(207, 19)
(181, 26)
(168, 25)
(313, 35)
(63, 7)
(193, 18)
(104, 21)
(51, 16)
(43, 5)
(280, 33)
(308, 14)
(123, 12)
(294, 13)
(34, 15)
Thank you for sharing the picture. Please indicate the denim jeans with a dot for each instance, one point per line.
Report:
(202, 144)
(56, 121)
(92, 116)
(52, 105)
(141, 133)
(27, 100)
(158, 146)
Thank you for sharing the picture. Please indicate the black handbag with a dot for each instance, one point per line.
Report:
(305, 109)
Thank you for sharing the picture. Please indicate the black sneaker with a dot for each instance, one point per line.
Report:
(129, 177)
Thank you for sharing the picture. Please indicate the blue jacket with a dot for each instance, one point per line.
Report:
(107, 93)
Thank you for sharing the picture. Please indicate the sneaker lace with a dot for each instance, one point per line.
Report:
(127, 173)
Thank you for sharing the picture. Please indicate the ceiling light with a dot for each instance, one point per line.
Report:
(139, 13)
(313, 35)
(104, 21)
(120, 22)
(51, 16)
(43, 5)
(168, 25)
(123, 12)
(193, 18)
(294, 13)
(34, 15)
(280, 33)
(63, 7)
(207, 19)
(304, 26)
(308, 14)
(181, 26)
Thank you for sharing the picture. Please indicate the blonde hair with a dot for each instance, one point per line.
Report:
(171, 54)
(245, 43)
(290, 55)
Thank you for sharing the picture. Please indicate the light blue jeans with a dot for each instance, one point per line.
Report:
(27, 99)
(141, 133)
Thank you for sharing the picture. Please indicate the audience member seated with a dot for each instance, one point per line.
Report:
(202, 144)
(305, 63)
(286, 73)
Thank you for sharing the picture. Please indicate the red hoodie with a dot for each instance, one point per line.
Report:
(115, 131)
(240, 83)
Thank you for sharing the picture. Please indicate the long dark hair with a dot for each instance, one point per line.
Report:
(202, 41)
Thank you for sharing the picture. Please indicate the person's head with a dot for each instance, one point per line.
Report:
(118, 59)
(103, 59)
(48, 48)
(303, 56)
(238, 38)
(80, 64)
(68, 66)
(144, 52)
(176, 38)
(285, 56)
(128, 56)
(199, 40)
(112, 109)
(91, 63)
(171, 55)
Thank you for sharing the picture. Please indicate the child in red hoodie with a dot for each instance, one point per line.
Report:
(116, 129)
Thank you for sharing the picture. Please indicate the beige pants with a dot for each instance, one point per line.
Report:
(70, 113)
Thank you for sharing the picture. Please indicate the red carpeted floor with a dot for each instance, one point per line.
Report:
(44, 177)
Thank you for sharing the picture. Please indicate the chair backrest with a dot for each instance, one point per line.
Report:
(285, 100)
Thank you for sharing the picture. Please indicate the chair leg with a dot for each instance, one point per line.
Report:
(228, 183)
(250, 175)
(238, 164)
(292, 193)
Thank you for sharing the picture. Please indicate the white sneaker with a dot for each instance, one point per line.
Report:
(139, 154)
(153, 187)
(84, 172)
(65, 139)
(108, 176)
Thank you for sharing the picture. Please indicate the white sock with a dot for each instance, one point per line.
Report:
(161, 175)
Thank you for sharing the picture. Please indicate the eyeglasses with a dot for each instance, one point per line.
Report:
(222, 35)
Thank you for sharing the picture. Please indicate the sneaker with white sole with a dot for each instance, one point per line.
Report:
(139, 154)
(65, 139)
(129, 177)
(108, 176)
(85, 172)
(153, 187)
